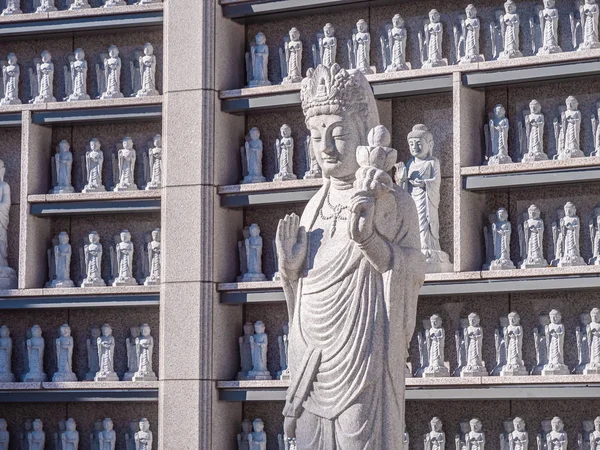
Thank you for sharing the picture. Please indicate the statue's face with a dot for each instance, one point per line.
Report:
(555, 318)
(328, 31)
(71, 425)
(519, 425)
(434, 16)
(544, 320)
(286, 132)
(65, 331)
(556, 425)
(145, 331)
(261, 39)
(148, 50)
(247, 426)
(144, 425)
(419, 148)
(37, 425)
(500, 111)
(106, 331)
(2, 425)
(36, 331)
(464, 427)
(436, 322)
(397, 21)
(474, 321)
(569, 210)
(588, 426)
(113, 52)
(254, 231)
(534, 213)
(259, 328)
(471, 12)
(12, 59)
(127, 144)
(294, 35)
(361, 26)
(258, 425)
(334, 140)
(95, 332)
(46, 58)
(4, 332)
(535, 107)
(248, 329)
(572, 104)
(64, 146)
(436, 425)
(108, 425)
(157, 141)
(254, 134)
(502, 215)
(508, 426)
(94, 145)
(585, 318)
(156, 236)
(475, 425)
(510, 8)
(513, 319)
(595, 315)
(549, 3)
(125, 237)
(79, 55)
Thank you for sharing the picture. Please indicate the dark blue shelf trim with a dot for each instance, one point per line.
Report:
(92, 207)
(115, 114)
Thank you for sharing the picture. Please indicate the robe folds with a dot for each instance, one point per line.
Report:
(350, 328)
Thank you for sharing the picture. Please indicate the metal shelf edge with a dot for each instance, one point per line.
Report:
(527, 179)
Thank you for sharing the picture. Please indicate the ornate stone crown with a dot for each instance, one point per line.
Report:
(333, 90)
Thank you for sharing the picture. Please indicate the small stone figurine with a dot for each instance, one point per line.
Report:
(43, 6)
(155, 153)
(557, 438)
(496, 137)
(283, 342)
(258, 347)
(541, 346)
(62, 166)
(62, 262)
(314, 170)
(583, 347)
(42, 80)
(36, 438)
(8, 276)
(475, 438)
(500, 345)
(126, 166)
(242, 438)
(109, 74)
(359, 48)
(4, 435)
(12, 7)
(134, 332)
(143, 438)
(284, 151)
(567, 131)
(94, 161)
(466, 38)
(257, 62)
(509, 31)
(252, 153)
(146, 75)
(518, 439)
(92, 353)
(124, 251)
(93, 262)
(245, 351)
(242, 253)
(548, 30)
(393, 49)
(108, 436)
(588, 23)
(6, 375)
(435, 439)
(35, 356)
(257, 440)
(290, 58)
(10, 80)
(435, 341)
(144, 345)
(555, 341)
(254, 248)
(504, 436)
(64, 356)
(568, 238)
(422, 179)
(583, 438)
(70, 438)
(106, 355)
(473, 334)
(154, 249)
(531, 240)
(500, 240)
(325, 53)
(76, 74)
(461, 438)
(430, 41)
(593, 342)
(531, 136)
(595, 435)
(513, 336)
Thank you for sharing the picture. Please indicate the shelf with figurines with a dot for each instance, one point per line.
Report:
(18, 11)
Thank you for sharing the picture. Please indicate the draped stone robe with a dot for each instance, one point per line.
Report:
(350, 328)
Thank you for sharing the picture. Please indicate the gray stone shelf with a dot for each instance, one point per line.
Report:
(60, 24)
(122, 112)
(267, 197)
(527, 179)
(95, 207)
(272, 293)
(382, 89)
(533, 73)
(91, 394)
(80, 301)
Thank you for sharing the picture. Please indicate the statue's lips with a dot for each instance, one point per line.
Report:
(330, 160)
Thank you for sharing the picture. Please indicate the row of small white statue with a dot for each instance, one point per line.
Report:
(101, 355)
(549, 339)
(567, 134)
(504, 35)
(123, 167)
(253, 353)
(108, 77)
(90, 258)
(13, 7)
(103, 438)
(565, 237)
(252, 153)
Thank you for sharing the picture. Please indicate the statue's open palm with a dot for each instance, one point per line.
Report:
(292, 245)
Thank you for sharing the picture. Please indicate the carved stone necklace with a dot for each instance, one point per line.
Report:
(337, 213)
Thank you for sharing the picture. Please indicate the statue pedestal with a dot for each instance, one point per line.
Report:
(107, 95)
(473, 372)
(144, 377)
(437, 261)
(34, 377)
(62, 284)
(106, 377)
(259, 375)
(254, 277)
(499, 159)
(121, 188)
(513, 371)
(151, 281)
(591, 370)
(570, 155)
(61, 377)
(284, 374)
(39, 100)
(100, 188)
(533, 264)
(258, 83)
(549, 50)
(533, 157)
(80, 97)
(436, 372)
(93, 283)
(435, 63)
(579, 261)
(502, 264)
(63, 190)
(150, 93)
(284, 177)
(588, 46)
(471, 59)
(312, 175)
(559, 369)
(510, 55)
(12, 101)
(125, 282)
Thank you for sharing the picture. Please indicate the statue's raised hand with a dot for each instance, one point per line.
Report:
(292, 246)
(362, 213)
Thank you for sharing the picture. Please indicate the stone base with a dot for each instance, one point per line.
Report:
(125, 282)
(502, 264)
(437, 63)
(437, 261)
(128, 376)
(107, 95)
(111, 4)
(284, 177)
(82, 97)
(121, 188)
(473, 372)
(579, 261)
(499, 159)
(397, 67)
(588, 46)
(574, 154)
(11, 12)
(8, 278)
(290, 80)
(152, 281)
(557, 370)
(41, 9)
(533, 157)
(150, 93)
(74, 7)
(63, 190)
(438, 372)
(93, 283)
(312, 175)
(368, 70)
(471, 59)
(549, 50)
(248, 179)
(284, 375)
(510, 55)
(106, 377)
(40, 100)
(62, 377)
(513, 371)
(254, 277)
(34, 377)
(12, 101)
(591, 370)
(439, 267)
(259, 83)
(61, 284)
(87, 189)
(259, 375)
(276, 276)
(7, 378)
(144, 377)
(531, 264)
(151, 187)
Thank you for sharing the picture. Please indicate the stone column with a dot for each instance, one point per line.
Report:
(195, 329)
